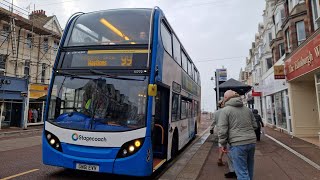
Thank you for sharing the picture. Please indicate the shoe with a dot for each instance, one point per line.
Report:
(230, 175)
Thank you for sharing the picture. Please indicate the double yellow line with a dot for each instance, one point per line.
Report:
(20, 174)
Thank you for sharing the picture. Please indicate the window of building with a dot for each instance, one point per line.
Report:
(269, 63)
(166, 38)
(293, 3)
(27, 68)
(281, 50)
(175, 107)
(184, 62)
(279, 16)
(43, 72)
(3, 59)
(270, 36)
(288, 40)
(5, 32)
(301, 32)
(176, 50)
(29, 40)
(55, 46)
(45, 44)
(315, 13)
(282, 15)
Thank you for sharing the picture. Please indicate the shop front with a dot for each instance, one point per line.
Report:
(13, 99)
(303, 73)
(275, 99)
(37, 100)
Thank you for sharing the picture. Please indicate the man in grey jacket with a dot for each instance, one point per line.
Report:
(236, 127)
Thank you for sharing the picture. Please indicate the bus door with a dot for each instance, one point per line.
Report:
(161, 121)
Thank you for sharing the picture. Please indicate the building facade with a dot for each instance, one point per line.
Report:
(28, 46)
(302, 66)
(289, 82)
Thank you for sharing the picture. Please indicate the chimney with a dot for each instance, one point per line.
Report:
(38, 14)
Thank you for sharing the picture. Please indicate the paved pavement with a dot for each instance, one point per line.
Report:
(272, 161)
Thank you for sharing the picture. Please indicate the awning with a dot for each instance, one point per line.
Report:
(234, 85)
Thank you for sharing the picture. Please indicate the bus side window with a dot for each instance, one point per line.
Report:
(175, 107)
(166, 38)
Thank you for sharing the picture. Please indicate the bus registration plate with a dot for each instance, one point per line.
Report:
(87, 167)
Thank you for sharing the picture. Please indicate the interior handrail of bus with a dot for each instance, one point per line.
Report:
(162, 132)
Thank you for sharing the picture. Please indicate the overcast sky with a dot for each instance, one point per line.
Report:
(216, 32)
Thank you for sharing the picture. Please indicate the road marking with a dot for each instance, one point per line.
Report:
(315, 165)
(20, 174)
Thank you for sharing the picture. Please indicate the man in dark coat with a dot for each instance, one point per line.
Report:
(259, 123)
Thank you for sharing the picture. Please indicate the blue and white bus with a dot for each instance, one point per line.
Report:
(124, 97)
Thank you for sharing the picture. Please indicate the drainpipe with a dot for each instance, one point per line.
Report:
(38, 61)
(17, 56)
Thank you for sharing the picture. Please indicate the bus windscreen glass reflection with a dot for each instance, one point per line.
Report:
(96, 103)
(112, 27)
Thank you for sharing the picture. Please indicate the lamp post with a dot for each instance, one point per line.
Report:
(216, 74)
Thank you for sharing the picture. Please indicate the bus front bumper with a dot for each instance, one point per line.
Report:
(139, 164)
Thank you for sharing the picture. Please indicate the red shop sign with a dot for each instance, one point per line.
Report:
(256, 93)
(304, 60)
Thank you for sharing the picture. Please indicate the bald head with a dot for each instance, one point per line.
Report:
(229, 94)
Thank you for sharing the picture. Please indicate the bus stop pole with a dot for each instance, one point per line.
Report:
(217, 86)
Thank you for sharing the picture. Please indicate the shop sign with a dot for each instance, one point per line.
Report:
(304, 60)
(279, 72)
(38, 90)
(256, 94)
(38, 87)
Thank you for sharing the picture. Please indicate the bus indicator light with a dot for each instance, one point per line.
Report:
(137, 143)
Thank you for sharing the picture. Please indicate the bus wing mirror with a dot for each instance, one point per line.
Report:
(152, 90)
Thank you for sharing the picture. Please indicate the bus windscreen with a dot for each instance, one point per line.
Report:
(112, 27)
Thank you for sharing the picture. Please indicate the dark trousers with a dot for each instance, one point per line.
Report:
(258, 133)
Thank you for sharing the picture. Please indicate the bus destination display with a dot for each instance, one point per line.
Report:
(106, 58)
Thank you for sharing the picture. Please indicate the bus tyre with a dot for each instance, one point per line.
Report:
(174, 147)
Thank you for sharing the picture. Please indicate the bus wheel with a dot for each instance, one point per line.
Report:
(174, 147)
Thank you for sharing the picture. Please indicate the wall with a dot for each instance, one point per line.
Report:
(304, 110)
(26, 53)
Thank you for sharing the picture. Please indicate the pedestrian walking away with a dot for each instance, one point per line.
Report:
(215, 129)
(259, 123)
(236, 126)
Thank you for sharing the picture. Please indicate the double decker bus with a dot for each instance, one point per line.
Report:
(124, 96)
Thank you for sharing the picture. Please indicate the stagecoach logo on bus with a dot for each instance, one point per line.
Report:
(76, 137)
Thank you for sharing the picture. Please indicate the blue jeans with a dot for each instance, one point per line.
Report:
(243, 160)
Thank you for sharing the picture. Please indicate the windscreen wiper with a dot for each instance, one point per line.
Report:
(113, 76)
(72, 75)
(66, 73)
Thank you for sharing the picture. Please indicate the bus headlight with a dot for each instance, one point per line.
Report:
(130, 148)
(53, 141)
